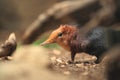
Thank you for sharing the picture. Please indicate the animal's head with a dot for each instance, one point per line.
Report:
(61, 35)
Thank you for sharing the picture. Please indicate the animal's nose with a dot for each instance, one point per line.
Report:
(44, 43)
(49, 41)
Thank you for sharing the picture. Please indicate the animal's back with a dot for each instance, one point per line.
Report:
(101, 39)
(97, 41)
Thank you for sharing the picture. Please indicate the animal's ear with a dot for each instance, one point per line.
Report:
(65, 28)
(62, 26)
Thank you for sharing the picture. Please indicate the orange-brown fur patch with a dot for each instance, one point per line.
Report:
(67, 31)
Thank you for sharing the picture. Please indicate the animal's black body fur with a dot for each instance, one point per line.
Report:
(95, 42)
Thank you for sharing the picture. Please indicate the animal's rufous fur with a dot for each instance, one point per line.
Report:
(61, 40)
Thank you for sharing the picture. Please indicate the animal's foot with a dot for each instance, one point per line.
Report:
(70, 62)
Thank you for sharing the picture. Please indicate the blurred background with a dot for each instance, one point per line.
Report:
(17, 15)
(29, 19)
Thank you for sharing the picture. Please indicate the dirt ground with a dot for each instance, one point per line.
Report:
(83, 69)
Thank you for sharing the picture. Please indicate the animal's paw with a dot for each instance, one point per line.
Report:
(70, 62)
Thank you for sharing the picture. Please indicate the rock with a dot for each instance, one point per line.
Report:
(85, 73)
(34, 55)
(21, 71)
(66, 72)
(59, 60)
(28, 63)
(80, 65)
(62, 66)
(94, 58)
(56, 52)
(53, 59)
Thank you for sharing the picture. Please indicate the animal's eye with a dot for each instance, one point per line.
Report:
(60, 34)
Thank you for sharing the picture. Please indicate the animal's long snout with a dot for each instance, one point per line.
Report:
(47, 42)
(44, 43)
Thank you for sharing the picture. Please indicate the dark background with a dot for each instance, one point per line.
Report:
(17, 15)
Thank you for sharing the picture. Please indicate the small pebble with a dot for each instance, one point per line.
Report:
(94, 58)
(59, 60)
(62, 66)
(85, 73)
(80, 65)
(66, 72)
(94, 65)
(56, 52)
(10, 58)
(86, 67)
(53, 59)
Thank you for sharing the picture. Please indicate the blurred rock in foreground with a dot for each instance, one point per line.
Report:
(29, 63)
